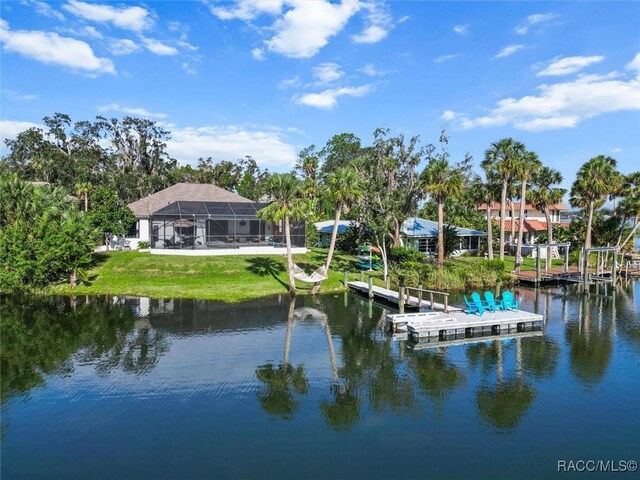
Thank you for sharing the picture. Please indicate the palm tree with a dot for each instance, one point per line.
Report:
(342, 189)
(596, 179)
(82, 190)
(441, 180)
(543, 195)
(500, 159)
(484, 194)
(287, 205)
(629, 206)
(525, 169)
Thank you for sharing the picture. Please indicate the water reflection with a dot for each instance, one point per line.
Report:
(346, 372)
(284, 382)
(39, 337)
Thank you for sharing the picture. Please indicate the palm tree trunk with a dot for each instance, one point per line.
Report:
(523, 193)
(633, 231)
(547, 215)
(513, 225)
(587, 239)
(489, 232)
(287, 236)
(503, 212)
(332, 245)
(440, 234)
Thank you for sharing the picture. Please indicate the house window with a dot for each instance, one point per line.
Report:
(134, 230)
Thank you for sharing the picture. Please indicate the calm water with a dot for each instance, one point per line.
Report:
(155, 389)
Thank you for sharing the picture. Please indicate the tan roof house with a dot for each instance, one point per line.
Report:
(203, 219)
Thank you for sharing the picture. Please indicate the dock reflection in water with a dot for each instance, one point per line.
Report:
(185, 388)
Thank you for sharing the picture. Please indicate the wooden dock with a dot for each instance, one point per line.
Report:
(430, 324)
(392, 296)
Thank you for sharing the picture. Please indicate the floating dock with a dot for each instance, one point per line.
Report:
(392, 296)
(437, 324)
(452, 341)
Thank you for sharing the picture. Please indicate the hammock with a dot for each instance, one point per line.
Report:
(317, 276)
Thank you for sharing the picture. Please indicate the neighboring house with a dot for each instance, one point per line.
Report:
(325, 229)
(534, 220)
(422, 235)
(202, 219)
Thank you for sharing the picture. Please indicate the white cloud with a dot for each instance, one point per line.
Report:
(378, 23)
(9, 129)
(371, 70)
(157, 47)
(565, 104)
(188, 68)
(128, 18)
(522, 30)
(448, 115)
(53, 49)
(616, 150)
(289, 82)
(567, 65)
(326, 73)
(136, 111)
(444, 58)
(44, 9)
(403, 19)
(634, 64)
(509, 50)
(307, 27)
(461, 29)
(540, 17)
(328, 99)
(266, 146)
(123, 46)
(13, 95)
(248, 9)
(258, 54)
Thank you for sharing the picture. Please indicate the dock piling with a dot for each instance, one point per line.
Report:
(370, 286)
(401, 299)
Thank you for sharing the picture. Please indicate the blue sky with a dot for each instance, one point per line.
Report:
(269, 77)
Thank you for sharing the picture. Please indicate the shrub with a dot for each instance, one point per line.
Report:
(143, 245)
(403, 254)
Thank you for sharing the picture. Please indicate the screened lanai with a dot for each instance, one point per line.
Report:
(208, 225)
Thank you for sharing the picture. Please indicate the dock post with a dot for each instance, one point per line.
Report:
(585, 273)
(431, 298)
(362, 275)
(614, 269)
(566, 259)
(370, 287)
(538, 266)
(446, 304)
(388, 282)
(580, 262)
(420, 296)
(346, 278)
(401, 299)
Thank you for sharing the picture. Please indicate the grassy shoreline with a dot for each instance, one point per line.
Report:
(233, 278)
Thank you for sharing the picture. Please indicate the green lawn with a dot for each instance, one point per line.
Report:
(510, 262)
(230, 278)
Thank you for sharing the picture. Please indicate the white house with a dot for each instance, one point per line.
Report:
(202, 219)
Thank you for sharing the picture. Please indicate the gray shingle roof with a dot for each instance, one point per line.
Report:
(197, 192)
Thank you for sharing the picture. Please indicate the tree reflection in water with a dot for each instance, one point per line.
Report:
(436, 376)
(41, 336)
(590, 341)
(284, 382)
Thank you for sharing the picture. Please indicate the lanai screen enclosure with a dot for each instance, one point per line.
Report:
(207, 225)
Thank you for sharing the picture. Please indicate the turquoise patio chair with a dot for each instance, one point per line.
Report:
(492, 302)
(477, 300)
(508, 301)
(473, 307)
